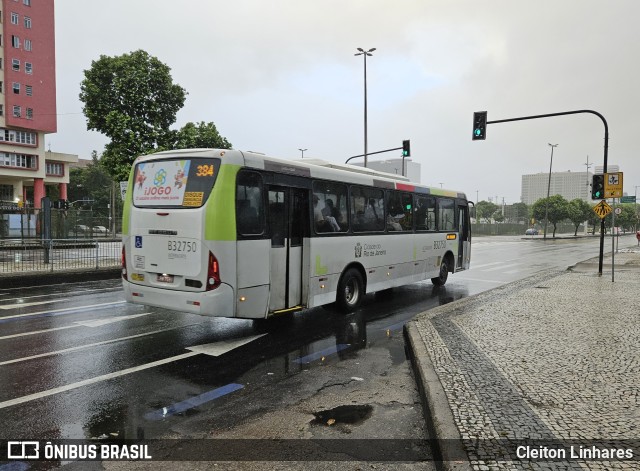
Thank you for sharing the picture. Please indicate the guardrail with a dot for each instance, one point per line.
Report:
(25, 256)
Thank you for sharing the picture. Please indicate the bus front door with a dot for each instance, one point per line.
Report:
(288, 223)
(464, 234)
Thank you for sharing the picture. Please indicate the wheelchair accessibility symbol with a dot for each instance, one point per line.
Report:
(138, 242)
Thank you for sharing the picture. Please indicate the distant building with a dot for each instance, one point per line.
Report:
(28, 102)
(394, 166)
(570, 185)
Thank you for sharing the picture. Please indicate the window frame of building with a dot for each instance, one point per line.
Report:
(28, 90)
(15, 65)
(15, 18)
(27, 45)
(15, 41)
(29, 113)
(28, 68)
(54, 169)
(27, 22)
(17, 111)
(27, 2)
(16, 88)
(27, 138)
(20, 161)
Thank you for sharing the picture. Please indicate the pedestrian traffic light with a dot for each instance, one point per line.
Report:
(406, 148)
(65, 204)
(479, 125)
(597, 187)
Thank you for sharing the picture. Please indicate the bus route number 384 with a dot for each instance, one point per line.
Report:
(182, 246)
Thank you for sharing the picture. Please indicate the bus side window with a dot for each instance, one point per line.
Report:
(425, 211)
(249, 213)
(446, 212)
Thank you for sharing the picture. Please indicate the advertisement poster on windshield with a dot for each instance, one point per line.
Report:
(161, 183)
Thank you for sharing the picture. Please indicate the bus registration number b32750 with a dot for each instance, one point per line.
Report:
(182, 246)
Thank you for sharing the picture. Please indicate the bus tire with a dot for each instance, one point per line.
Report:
(441, 279)
(350, 291)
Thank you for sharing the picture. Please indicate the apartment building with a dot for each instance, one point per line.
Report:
(570, 185)
(28, 103)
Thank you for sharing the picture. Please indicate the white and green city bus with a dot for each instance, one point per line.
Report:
(227, 233)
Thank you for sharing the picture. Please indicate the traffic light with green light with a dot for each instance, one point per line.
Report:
(406, 148)
(479, 125)
(597, 187)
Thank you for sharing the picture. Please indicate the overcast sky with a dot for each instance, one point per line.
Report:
(279, 75)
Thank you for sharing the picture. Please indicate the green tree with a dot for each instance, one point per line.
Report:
(199, 136)
(485, 209)
(133, 101)
(91, 183)
(627, 218)
(498, 216)
(578, 211)
(557, 210)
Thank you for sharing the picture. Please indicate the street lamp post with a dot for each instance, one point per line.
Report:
(302, 150)
(546, 206)
(365, 54)
(635, 203)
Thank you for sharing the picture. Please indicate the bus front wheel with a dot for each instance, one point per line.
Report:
(350, 290)
(441, 279)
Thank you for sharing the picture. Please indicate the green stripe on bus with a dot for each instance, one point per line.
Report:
(220, 215)
(128, 203)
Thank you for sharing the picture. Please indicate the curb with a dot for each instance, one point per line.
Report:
(23, 280)
(435, 406)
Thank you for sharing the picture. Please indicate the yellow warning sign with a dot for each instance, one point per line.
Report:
(613, 185)
(602, 209)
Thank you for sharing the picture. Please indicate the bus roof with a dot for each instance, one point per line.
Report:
(316, 168)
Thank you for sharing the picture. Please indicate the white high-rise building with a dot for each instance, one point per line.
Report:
(570, 185)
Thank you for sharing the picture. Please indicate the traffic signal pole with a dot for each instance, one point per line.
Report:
(606, 151)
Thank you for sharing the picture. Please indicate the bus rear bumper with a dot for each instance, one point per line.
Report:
(216, 303)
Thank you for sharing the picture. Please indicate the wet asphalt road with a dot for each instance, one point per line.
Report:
(76, 361)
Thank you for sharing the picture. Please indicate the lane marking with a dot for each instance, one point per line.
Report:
(502, 267)
(111, 320)
(89, 345)
(192, 402)
(59, 312)
(38, 332)
(35, 303)
(220, 348)
(74, 293)
(322, 353)
(97, 379)
(483, 281)
(93, 323)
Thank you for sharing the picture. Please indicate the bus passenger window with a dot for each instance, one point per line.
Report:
(367, 209)
(330, 207)
(446, 214)
(249, 213)
(425, 213)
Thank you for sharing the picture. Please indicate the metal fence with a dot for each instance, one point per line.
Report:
(24, 256)
(74, 223)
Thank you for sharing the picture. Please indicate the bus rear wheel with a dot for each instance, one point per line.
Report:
(441, 279)
(350, 290)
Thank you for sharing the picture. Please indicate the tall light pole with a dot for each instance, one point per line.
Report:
(302, 150)
(635, 203)
(546, 206)
(365, 54)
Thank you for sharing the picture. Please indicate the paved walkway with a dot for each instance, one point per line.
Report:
(550, 362)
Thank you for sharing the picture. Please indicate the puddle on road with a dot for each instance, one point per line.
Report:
(353, 415)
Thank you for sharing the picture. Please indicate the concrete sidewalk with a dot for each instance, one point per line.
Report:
(553, 359)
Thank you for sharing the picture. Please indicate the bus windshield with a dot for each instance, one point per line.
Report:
(175, 183)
